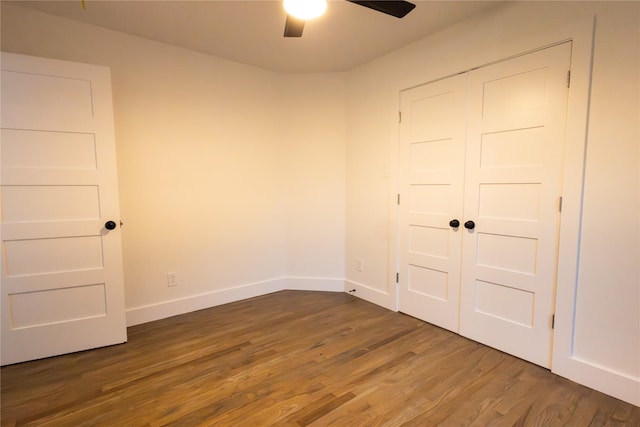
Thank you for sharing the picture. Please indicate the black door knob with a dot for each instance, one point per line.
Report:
(110, 225)
(454, 223)
(469, 225)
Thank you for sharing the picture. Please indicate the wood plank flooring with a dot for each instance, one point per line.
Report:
(298, 358)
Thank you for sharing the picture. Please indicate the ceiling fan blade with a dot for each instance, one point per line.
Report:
(293, 27)
(397, 8)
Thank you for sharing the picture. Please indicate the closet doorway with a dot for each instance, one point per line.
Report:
(480, 176)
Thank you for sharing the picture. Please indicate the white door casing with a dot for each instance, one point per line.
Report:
(496, 280)
(62, 281)
(432, 155)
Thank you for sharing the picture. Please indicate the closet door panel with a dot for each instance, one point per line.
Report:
(515, 140)
(431, 177)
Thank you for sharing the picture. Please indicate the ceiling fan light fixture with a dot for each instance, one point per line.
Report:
(305, 9)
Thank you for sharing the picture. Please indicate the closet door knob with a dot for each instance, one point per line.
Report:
(454, 223)
(469, 225)
(110, 225)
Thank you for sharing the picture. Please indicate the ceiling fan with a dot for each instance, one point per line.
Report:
(399, 8)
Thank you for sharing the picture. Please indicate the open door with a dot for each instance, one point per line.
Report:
(62, 283)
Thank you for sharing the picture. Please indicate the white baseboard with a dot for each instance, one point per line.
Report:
(164, 309)
(372, 295)
(601, 378)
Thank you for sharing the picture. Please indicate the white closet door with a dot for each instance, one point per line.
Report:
(62, 285)
(515, 142)
(432, 146)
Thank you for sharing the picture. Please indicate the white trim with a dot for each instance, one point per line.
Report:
(602, 378)
(164, 309)
(373, 295)
(564, 362)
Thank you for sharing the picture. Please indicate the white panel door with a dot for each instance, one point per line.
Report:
(62, 285)
(432, 155)
(515, 144)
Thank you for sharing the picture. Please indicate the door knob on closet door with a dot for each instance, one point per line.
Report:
(469, 225)
(110, 225)
(454, 223)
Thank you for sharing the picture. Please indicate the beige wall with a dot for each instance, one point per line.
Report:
(604, 339)
(229, 175)
(314, 126)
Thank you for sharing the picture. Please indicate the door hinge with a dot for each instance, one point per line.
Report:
(399, 116)
(569, 78)
(553, 321)
(560, 204)
(397, 277)
(398, 199)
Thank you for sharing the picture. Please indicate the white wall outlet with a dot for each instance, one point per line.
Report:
(171, 279)
(359, 264)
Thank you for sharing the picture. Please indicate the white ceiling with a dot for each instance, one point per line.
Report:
(250, 32)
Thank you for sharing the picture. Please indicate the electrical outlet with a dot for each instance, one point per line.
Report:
(360, 264)
(171, 279)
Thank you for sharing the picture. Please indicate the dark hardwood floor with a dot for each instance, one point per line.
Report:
(298, 358)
